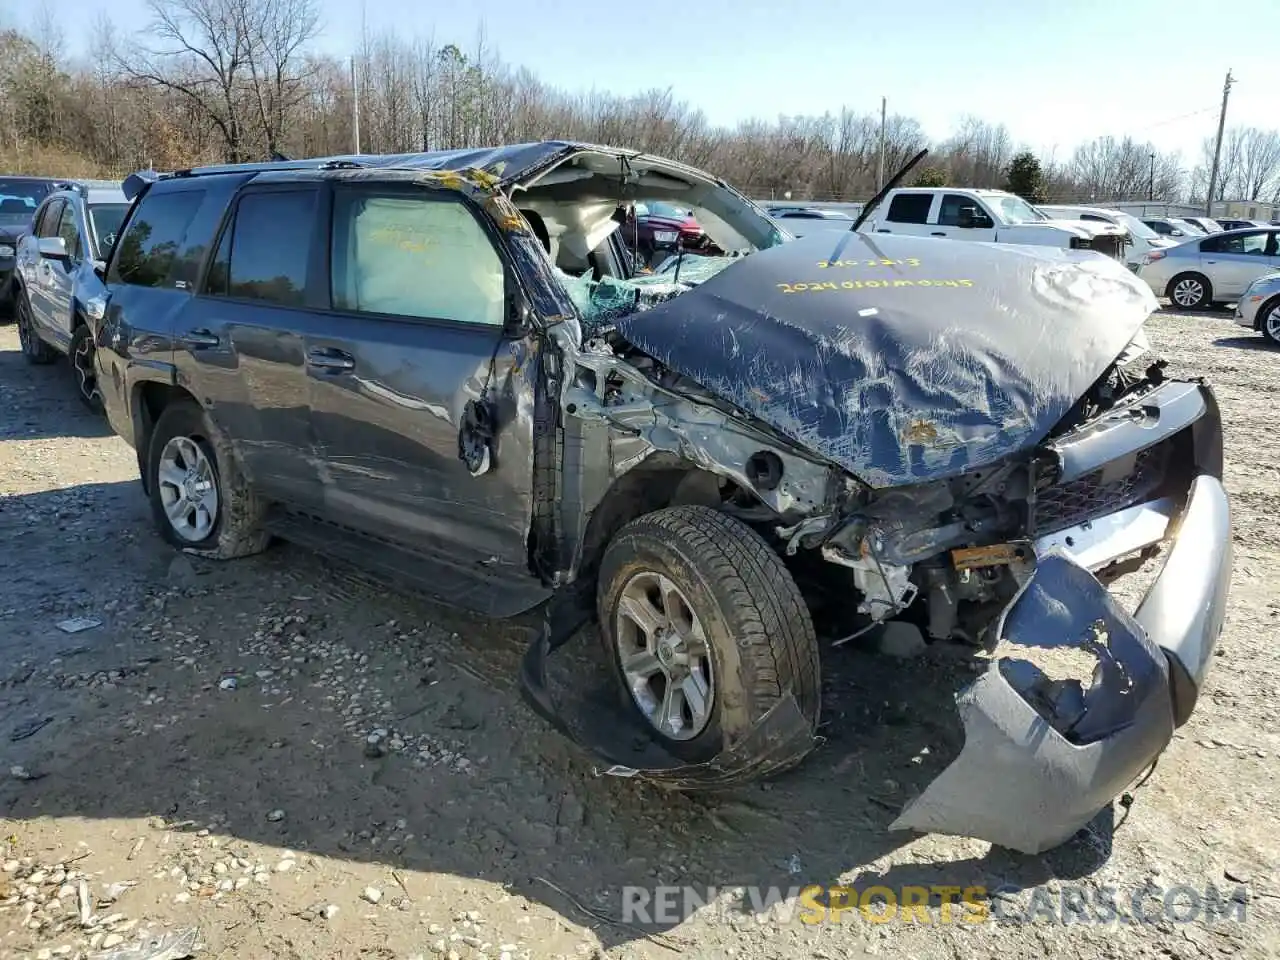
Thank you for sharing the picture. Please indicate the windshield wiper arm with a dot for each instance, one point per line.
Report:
(883, 192)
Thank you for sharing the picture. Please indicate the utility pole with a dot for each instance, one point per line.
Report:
(880, 166)
(1217, 148)
(1151, 183)
(355, 104)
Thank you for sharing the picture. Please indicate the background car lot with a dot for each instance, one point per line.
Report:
(213, 696)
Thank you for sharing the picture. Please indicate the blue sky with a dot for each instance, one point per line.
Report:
(1057, 72)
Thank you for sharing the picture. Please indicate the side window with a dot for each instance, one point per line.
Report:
(414, 257)
(1247, 244)
(949, 214)
(68, 230)
(910, 208)
(263, 253)
(1094, 217)
(48, 224)
(147, 254)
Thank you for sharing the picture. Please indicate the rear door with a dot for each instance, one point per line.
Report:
(239, 345)
(1233, 261)
(908, 213)
(419, 285)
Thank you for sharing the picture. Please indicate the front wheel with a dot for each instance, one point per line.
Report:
(1269, 321)
(82, 365)
(1190, 291)
(199, 499)
(34, 349)
(705, 629)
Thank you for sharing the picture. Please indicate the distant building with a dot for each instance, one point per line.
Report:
(1247, 210)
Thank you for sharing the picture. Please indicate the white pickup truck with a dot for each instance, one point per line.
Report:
(991, 215)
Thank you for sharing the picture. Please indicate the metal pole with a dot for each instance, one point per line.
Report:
(355, 104)
(1151, 184)
(1217, 149)
(880, 166)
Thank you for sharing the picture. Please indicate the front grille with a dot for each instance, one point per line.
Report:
(1101, 492)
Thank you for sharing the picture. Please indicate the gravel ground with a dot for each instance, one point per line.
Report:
(285, 760)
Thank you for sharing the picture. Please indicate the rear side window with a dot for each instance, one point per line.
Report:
(1241, 243)
(910, 208)
(148, 253)
(414, 257)
(263, 254)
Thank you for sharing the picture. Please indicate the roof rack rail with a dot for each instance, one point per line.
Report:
(342, 165)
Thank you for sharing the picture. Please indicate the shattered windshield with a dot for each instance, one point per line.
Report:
(604, 301)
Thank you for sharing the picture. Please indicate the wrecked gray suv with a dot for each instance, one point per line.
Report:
(443, 367)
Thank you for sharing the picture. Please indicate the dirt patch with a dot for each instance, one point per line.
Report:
(297, 762)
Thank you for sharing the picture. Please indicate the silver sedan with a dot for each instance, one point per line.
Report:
(1218, 268)
(1259, 307)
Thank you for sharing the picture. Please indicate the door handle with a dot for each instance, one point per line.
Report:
(1211, 262)
(198, 339)
(326, 358)
(938, 233)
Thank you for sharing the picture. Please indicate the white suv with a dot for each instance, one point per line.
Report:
(1142, 239)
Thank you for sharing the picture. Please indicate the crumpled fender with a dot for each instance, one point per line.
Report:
(1041, 757)
(597, 720)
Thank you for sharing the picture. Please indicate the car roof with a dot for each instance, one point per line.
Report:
(94, 191)
(496, 165)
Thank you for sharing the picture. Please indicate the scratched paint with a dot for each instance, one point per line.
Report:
(991, 368)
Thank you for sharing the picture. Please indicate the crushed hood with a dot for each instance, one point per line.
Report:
(901, 359)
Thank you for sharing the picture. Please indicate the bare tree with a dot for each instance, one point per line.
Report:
(231, 59)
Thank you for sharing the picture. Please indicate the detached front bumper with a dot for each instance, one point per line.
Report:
(1043, 754)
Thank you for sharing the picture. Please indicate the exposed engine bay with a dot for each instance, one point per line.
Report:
(953, 553)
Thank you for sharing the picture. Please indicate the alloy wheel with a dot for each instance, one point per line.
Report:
(1271, 324)
(664, 656)
(1188, 292)
(188, 489)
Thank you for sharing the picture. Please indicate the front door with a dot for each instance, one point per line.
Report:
(62, 273)
(963, 218)
(37, 272)
(239, 345)
(416, 343)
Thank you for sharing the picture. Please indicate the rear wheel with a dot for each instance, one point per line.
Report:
(199, 499)
(33, 348)
(1269, 321)
(82, 366)
(1190, 291)
(705, 629)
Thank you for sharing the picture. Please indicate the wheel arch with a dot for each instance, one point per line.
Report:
(148, 400)
(1261, 314)
(661, 480)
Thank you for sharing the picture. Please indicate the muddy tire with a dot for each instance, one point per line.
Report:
(82, 368)
(200, 501)
(1190, 291)
(694, 583)
(34, 349)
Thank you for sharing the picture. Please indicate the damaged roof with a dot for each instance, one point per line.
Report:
(508, 164)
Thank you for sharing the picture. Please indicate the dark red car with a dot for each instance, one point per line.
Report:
(659, 226)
